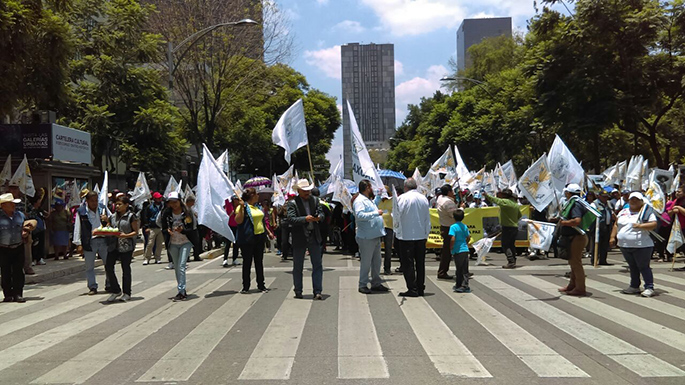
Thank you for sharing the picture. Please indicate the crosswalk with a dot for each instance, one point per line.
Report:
(562, 337)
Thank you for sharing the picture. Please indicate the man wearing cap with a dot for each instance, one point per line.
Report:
(573, 240)
(304, 215)
(90, 216)
(605, 223)
(14, 230)
(370, 230)
(148, 218)
(509, 216)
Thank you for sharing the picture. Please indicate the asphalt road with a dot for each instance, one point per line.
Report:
(513, 329)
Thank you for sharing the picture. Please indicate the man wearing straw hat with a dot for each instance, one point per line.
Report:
(14, 231)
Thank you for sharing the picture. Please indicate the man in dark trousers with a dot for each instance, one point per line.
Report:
(305, 215)
(509, 216)
(412, 218)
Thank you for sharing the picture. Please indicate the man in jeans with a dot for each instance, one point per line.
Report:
(509, 216)
(152, 229)
(413, 225)
(370, 231)
(304, 215)
(446, 206)
(90, 216)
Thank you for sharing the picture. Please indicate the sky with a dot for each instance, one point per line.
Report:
(424, 33)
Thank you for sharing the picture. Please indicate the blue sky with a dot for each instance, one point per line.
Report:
(423, 32)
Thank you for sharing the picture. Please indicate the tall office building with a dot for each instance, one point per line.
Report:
(473, 31)
(368, 83)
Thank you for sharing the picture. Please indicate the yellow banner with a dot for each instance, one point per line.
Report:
(478, 221)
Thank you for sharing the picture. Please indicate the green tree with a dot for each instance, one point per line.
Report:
(35, 42)
(116, 95)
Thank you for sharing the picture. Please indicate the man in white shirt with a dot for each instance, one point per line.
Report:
(446, 206)
(413, 226)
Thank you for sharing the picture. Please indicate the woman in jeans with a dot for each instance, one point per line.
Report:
(177, 226)
(251, 237)
(128, 226)
(631, 232)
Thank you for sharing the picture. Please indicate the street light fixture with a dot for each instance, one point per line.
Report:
(458, 78)
(192, 39)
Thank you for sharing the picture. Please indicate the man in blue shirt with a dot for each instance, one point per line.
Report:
(14, 229)
(370, 231)
(460, 237)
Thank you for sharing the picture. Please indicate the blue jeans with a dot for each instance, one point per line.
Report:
(317, 268)
(370, 260)
(98, 246)
(638, 259)
(179, 255)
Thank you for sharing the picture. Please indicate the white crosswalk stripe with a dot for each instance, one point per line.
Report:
(624, 353)
(448, 353)
(183, 359)
(544, 361)
(44, 293)
(652, 303)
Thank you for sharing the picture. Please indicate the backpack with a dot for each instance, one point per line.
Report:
(646, 213)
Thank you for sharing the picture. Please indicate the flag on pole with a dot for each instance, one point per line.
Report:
(290, 131)
(238, 188)
(6, 173)
(222, 161)
(482, 248)
(103, 198)
(339, 170)
(540, 235)
(74, 195)
(141, 192)
(463, 172)
(563, 165)
(287, 176)
(172, 185)
(536, 184)
(656, 197)
(188, 192)
(213, 187)
(278, 198)
(676, 182)
(96, 188)
(676, 238)
(444, 164)
(633, 179)
(590, 216)
(22, 178)
(510, 174)
(362, 165)
(342, 194)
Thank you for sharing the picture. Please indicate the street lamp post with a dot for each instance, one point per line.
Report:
(476, 82)
(192, 39)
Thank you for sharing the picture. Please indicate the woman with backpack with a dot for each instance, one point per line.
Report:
(128, 224)
(251, 238)
(631, 233)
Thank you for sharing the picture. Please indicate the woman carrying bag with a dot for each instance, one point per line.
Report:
(178, 225)
(251, 238)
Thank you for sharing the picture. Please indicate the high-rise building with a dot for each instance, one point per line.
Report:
(473, 31)
(368, 83)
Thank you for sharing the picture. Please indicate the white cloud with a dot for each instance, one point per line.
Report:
(322, 2)
(399, 68)
(415, 17)
(411, 91)
(349, 26)
(327, 60)
(481, 15)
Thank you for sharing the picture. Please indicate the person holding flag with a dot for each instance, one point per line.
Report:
(676, 208)
(573, 239)
(509, 218)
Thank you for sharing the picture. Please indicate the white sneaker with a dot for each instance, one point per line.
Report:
(114, 297)
(146, 262)
(224, 263)
(631, 290)
(42, 262)
(126, 298)
(33, 263)
(170, 266)
(236, 263)
(648, 293)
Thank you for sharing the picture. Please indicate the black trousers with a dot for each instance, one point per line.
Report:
(389, 241)
(445, 252)
(413, 257)
(125, 259)
(227, 246)
(285, 241)
(253, 251)
(461, 262)
(509, 243)
(12, 270)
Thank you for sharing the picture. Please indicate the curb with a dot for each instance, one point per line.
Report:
(76, 268)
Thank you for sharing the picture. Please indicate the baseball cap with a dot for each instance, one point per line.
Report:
(156, 195)
(173, 196)
(573, 188)
(636, 194)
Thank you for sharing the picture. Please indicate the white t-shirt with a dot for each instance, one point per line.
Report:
(631, 237)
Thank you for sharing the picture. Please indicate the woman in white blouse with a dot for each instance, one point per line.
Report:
(631, 233)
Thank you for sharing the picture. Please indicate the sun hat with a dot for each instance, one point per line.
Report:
(8, 198)
(304, 185)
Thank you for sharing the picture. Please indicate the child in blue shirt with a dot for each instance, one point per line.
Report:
(459, 244)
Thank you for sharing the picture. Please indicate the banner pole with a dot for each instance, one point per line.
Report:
(311, 165)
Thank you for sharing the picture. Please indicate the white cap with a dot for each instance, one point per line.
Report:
(636, 194)
(173, 196)
(304, 185)
(573, 188)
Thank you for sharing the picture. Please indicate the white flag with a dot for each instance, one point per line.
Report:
(97, 188)
(179, 188)
(339, 170)
(540, 235)
(633, 179)
(141, 192)
(462, 171)
(475, 182)
(238, 188)
(290, 131)
(510, 174)
(287, 176)
(656, 197)
(278, 198)
(172, 185)
(563, 165)
(74, 195)
(611, 175)
(444, 164)
(213, 188)
(188, 192)
(482, 248)
(395, 212)
(222, 161)
(103, 198)
(676, 182)
(22, 178)
(501, 181)
(6, 173)
(342, 194)
(676, 238)
(536, 184)
(362, 166)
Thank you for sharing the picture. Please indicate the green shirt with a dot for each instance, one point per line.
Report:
(509, 212)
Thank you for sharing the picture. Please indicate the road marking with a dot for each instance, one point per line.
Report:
(185, 358)
(662, 277)
(627, 355)
(274, 355)
(540, 358)
(650, 303)
(44, 292)
(204, 264)
(50, 312)
(359, 351)
(643, 326)
(52, 337)
(88, 363)
(445, 350)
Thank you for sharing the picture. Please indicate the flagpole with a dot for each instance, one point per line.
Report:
(311, 165)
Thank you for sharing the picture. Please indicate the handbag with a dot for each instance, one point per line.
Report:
(564, 246)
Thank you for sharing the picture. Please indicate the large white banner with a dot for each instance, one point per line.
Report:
(564, 166)
(362, 165)
(70, 145)
(213, 188)
(290, 131)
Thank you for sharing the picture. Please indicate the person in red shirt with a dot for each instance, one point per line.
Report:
(230, 210)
